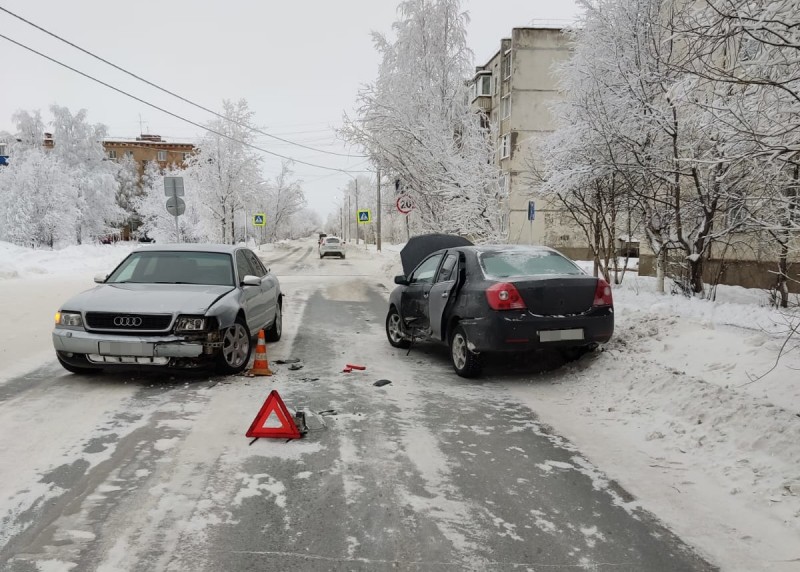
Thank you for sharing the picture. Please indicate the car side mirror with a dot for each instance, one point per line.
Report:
(250, 280)
(100, 278)
(402, 280)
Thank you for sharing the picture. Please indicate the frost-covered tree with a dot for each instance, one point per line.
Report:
(638, 122)
(281, 198)
(78, 145)
(304, 222)
(64, 194)
(415, 121)
(225, 173)
(128, 189)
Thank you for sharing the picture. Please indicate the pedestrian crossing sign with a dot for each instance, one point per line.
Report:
(259, 219)
(363, 216)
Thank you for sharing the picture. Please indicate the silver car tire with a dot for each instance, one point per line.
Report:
(236, 348)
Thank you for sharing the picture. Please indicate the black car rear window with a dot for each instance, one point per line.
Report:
(178, 267)
(510, 263)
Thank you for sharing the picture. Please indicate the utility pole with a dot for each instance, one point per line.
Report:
(378, 237)
(356, 180)
(349, 234)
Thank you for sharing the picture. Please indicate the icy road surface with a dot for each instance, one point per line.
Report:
(143, 472)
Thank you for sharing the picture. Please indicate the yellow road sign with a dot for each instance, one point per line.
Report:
(364, 216)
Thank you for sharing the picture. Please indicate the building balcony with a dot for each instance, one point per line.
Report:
(483, 103)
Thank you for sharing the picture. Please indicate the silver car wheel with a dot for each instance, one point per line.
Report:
(235, 345)
(395, 333)
(459, 351)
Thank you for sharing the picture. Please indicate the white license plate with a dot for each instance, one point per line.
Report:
(125, 349)
(561, 335)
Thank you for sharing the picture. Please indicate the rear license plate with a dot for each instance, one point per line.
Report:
(561, 335)
(125, 349)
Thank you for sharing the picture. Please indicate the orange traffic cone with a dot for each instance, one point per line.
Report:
(260, 364)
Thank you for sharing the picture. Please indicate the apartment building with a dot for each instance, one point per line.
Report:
(515, 89)
(149, 148)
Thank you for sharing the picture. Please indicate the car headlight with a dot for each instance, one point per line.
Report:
(69, 319)
(190, 324)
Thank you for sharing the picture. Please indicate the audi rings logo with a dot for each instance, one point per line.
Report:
(127, 321)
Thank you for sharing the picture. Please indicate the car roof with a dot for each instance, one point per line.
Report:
(503, 248)
(192, 247)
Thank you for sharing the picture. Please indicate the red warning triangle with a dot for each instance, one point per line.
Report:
(274, 420)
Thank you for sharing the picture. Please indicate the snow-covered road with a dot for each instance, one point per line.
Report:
(135, 472)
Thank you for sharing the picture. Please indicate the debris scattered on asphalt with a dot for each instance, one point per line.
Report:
(285, 361)
(309, 379)
(358, 367)
(347, 370)
(328, 412)
(381, 382)
(296, 366)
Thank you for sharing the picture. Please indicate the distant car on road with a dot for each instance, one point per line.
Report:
(331, 246)
(483, 299)
(181, 305)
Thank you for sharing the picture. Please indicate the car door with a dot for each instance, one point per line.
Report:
(441, 291)
(269, 288)
(414, 299)
(254, 309)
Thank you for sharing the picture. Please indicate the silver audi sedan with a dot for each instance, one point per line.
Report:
(183, 305)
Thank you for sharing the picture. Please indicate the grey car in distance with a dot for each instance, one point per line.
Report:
(180, 306)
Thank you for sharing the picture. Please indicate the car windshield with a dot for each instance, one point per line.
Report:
(510, 263)
(175, 268)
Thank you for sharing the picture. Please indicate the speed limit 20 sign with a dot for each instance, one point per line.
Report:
(404, 204)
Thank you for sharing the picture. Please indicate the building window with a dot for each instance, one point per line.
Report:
(186, 157)
(505, 146)
(496, 77)
(483, 85)
(507, 64)
(507, 106)
(129, 154)
(112, 153)
(505, 181)
(2, 149)
(162, 156)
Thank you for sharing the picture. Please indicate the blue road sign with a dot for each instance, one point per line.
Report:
(363, 216)
(531, 210)
(259, 219)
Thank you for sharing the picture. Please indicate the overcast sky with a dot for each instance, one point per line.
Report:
(298, 63)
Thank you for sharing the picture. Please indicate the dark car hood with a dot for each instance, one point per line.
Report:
(148, 298)
(419, 247)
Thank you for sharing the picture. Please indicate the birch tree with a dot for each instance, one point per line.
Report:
(415, 121)
(225, 172)
(281, 198)
(64, 194)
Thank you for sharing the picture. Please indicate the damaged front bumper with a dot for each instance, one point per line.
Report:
(106, 349)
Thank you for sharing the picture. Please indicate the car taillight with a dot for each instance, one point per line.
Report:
(602, 294)
(504, 296)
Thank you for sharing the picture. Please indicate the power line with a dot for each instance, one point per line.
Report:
(175, 115)
(190, 102)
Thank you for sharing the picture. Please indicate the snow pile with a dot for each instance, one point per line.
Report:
(18, 262)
